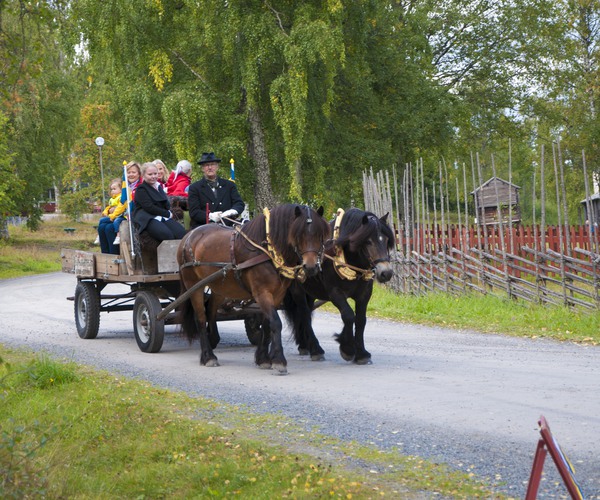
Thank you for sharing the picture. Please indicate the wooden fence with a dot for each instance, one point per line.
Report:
(510, 261)
(540, 263)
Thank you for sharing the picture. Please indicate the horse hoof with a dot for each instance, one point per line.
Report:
(364, 361)
(346, 357)
(303, 352)
(211, 363)
(279, 370)
(264, 366)
(318, 357)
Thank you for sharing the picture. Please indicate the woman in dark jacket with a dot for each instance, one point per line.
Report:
(152, 209)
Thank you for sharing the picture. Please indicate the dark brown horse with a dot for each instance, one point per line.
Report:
(295, 244)
(365, 242)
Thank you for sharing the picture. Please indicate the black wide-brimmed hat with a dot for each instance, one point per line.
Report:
(208, 158)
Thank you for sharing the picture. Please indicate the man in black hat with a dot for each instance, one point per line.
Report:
(213, 199)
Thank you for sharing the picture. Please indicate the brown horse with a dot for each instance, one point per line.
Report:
(257, 262)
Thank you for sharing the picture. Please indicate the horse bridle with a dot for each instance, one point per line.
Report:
(311, 250)
(373, 263)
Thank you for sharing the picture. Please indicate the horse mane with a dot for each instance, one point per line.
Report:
(353, 233)
(255, 229)
(285, 226)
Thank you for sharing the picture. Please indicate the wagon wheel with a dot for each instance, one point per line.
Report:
(149, 332)
(87, 310)
(254, 331)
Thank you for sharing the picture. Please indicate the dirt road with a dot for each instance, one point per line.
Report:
(470, 400)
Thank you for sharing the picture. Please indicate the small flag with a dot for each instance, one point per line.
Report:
(124, 186)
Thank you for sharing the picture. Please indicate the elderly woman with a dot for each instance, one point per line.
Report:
(152, 209)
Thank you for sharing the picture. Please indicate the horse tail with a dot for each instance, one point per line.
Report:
(295, 314)
(188, 317)
(289, 311)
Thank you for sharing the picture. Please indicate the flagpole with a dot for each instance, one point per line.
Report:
(129, 211)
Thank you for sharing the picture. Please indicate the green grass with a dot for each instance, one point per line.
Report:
(488, 314)
(35, 252)
(72, 432)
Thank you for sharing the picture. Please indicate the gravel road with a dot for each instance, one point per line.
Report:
(470, 400)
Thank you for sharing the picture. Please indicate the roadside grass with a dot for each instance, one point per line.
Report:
(35, 252)
(68, 431)
(488, 314)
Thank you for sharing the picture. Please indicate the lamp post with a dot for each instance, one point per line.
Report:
(100, 143)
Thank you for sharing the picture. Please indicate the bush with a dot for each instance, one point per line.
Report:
(73, 205)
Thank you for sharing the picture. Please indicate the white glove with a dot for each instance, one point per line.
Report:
(215, 216)
(230, 213)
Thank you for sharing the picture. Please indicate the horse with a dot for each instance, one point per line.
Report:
(360, 253)
(257, 261)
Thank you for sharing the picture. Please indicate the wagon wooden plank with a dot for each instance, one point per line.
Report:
(143, 278)
(78, 262)
(167, 256)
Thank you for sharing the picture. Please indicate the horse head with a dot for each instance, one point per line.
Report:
(379, 247)
(306, 231)
(371, 240)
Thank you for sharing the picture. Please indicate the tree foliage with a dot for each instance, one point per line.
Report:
(304, 96)
(39, 99)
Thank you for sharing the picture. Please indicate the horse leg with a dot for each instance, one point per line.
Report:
(299, 306)
(207, 357)
(213, 331)
(269, 352)
(314, 348)
(261, 356)
(346, 338)
(291, 306)
(362, 357)
(278, 361)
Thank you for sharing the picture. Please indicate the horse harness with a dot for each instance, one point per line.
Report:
(268, 253)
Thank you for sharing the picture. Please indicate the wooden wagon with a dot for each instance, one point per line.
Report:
(153, 291)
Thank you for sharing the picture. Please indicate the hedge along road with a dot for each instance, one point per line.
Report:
(466, 399)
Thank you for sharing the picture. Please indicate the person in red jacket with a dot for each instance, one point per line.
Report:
(178, 184)
(179, 179)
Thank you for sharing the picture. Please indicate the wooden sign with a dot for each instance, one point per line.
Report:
(546, 444)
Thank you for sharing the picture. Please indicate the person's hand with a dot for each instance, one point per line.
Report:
(215, 216)
(230, 213)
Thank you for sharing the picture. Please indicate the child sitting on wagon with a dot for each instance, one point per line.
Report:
(108, 225)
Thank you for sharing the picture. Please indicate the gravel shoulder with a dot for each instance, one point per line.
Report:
(466, 399)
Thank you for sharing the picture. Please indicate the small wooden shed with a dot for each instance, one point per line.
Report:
(594, 204)
(497, 196)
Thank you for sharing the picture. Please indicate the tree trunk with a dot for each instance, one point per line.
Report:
(4, 229)
(263, 194)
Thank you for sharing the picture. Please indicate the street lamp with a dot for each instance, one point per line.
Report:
(100, 143)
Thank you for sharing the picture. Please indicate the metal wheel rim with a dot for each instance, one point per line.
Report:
(82, 311)
(144, 323)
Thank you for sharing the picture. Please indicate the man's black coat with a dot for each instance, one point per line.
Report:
(200, 194)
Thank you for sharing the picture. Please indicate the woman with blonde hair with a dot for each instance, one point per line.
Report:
(163, 172)
(152, 212)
